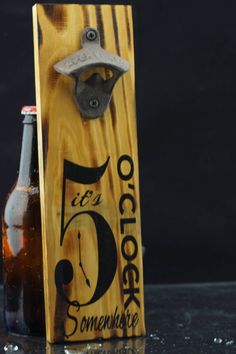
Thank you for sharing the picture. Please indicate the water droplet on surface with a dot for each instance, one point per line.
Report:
(229, 342)
(75, 349)
(94, 346)
(155, 337)
(218, 340)
(188, 318)
(11, 348)
(180, 325)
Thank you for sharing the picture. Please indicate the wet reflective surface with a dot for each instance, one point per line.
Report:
(184, 319)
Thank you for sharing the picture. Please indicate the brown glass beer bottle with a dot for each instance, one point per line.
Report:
(22, 242)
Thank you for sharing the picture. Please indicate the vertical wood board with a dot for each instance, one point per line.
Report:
(89, 183)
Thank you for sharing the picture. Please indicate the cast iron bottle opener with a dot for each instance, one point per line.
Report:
(93, 94)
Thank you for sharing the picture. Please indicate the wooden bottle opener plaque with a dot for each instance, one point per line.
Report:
(89, 182)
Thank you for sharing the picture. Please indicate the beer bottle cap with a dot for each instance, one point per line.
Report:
(29, 110)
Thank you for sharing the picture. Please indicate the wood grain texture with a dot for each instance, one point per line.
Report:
(64, 135)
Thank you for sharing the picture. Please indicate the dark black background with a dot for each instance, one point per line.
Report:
(186, 111)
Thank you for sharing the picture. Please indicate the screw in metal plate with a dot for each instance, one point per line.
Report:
(91, 35)
(94, 103)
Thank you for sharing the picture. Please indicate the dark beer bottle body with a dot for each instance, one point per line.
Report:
(22, 243)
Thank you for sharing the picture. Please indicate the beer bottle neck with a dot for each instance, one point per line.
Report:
(28, 170)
